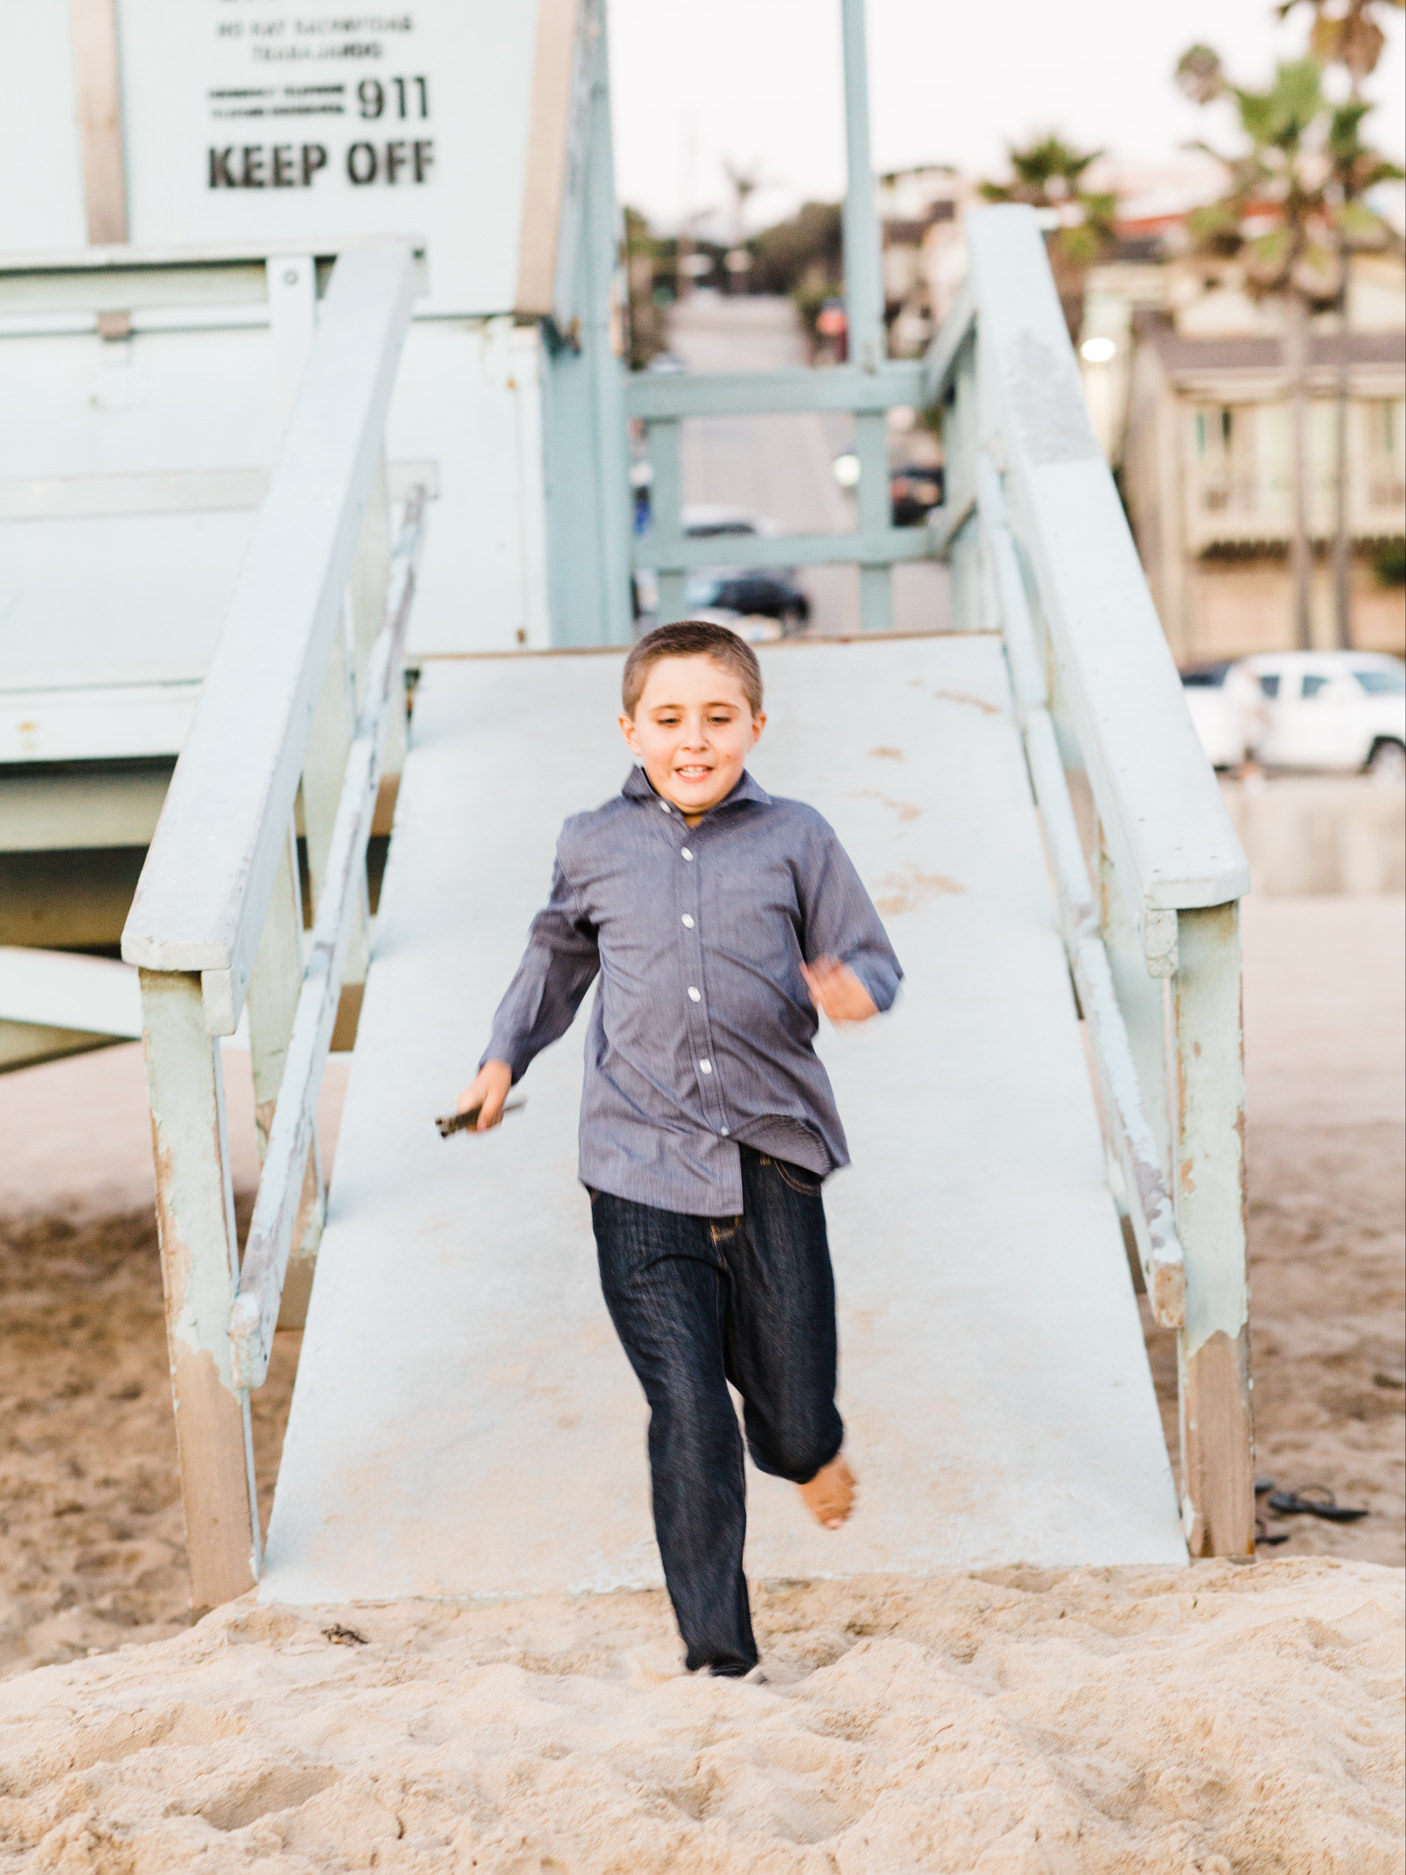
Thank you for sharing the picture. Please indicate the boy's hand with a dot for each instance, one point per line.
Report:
(837, 992)
(489, 1089)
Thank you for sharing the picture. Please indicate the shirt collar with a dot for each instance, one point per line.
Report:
(638, 787)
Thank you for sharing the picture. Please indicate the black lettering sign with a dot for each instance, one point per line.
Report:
(285, 166)
(362, 164)
(370, 162)
(294, 166)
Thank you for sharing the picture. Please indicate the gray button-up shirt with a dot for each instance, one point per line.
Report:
(702, 1029)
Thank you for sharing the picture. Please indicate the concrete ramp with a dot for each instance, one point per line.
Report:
(464, 1423)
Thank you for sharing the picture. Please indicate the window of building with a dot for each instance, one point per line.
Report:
(1225, 452)
(1313, 683)
(1386, 473)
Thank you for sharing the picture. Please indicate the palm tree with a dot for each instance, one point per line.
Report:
(1279, 176)
(1049, 175)
(1348, 35)
(744, 184)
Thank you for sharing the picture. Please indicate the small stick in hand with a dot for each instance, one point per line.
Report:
(449, 1123)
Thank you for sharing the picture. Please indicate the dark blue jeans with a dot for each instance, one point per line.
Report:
(698, 1302)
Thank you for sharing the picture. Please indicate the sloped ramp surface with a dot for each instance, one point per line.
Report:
(464, 1423)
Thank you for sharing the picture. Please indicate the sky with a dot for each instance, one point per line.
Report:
(700, 83)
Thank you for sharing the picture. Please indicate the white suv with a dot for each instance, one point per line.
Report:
(1342, 710)
(1227, 710)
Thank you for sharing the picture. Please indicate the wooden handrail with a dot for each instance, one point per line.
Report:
(1168, 832)
(219, 892)
(205, 887)
(1040, 550)
(656, 396)
(276, 1208)
(1150, 1206)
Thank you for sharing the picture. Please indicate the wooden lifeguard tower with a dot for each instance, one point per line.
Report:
(336, 388)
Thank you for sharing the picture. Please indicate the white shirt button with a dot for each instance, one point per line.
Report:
(694, 996)
(688, 921)
(706, 1066)
(723, 1131)
(686, 852)
(665, 806)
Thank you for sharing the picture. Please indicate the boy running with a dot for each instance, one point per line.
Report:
(719, 919)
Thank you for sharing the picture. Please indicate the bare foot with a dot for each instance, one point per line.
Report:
(829, 1496)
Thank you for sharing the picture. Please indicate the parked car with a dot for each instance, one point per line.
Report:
(915, 490)
(1227, 707)
(1342, 710)
(732, 591)
(763, 594)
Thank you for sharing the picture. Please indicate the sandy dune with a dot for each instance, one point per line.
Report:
(1094, 1723)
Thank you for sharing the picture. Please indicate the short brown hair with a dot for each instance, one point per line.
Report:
(692, 638)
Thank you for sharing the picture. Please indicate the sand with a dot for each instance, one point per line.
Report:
(1138, 1722)
(1218, 1719)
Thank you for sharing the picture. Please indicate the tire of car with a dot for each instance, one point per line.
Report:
(1387, 760)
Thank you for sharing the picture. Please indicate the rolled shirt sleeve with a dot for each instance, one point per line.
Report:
(559, 965)
(841, 922)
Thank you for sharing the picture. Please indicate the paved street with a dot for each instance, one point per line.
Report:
(780, 466)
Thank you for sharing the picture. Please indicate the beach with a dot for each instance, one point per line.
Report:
(1218, 1718)
(1213, 1720)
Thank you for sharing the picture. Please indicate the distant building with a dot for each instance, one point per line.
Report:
(924, 250)
(1191, 399)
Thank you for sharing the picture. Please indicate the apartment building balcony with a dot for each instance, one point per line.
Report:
(1226, 511)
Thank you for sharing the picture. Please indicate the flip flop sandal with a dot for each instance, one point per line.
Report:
(1262, 1535)
(1326, 1505)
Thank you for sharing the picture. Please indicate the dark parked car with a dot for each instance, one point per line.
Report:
(767, 595)
(914, 491)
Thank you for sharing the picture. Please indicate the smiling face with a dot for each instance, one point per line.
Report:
(692, 729)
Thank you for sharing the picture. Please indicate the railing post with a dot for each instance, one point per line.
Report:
(666, 511)
(1217, 1447)
(323, 768)
(199, 1270)
(332, 733)
(864, 285)
(1142, 999)
(961, 440)
(370, 573)
(326, 758)
(274, 987)
(370, 570)
(875, 581)
(864, 313)
(273, 1002)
